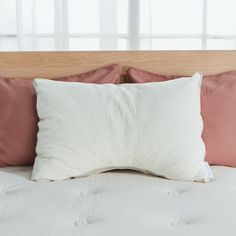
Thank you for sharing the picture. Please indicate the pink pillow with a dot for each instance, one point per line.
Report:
(18, 116)
(218, 112)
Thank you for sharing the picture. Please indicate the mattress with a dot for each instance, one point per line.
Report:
(117, 203)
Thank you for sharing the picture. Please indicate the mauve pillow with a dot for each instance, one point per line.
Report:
(18, 116)
(218, 109)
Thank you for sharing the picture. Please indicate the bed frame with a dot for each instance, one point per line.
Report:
(56, 64)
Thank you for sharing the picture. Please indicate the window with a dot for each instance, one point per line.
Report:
(117, 24)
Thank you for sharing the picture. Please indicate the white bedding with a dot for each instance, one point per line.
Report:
(88, 128)
(118, 203)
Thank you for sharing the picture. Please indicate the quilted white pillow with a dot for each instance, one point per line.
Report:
(90, 128)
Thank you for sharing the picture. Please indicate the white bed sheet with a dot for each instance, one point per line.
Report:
(117, 203)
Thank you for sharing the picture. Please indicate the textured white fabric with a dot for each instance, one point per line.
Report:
(89, 128)
(117, 204)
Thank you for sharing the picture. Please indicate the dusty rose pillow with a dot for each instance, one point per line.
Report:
(218, 112)
(18, 116)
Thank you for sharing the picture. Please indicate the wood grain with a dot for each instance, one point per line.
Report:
(56, 64)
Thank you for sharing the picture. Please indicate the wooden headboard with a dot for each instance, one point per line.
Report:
(56, 64)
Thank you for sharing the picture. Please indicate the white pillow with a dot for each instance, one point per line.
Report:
(90, 128)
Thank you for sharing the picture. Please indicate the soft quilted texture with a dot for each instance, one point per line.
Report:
(18, 116)
(90, 128)
(218, 96)
(117, 203)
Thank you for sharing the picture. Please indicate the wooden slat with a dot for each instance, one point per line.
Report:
(56, 64)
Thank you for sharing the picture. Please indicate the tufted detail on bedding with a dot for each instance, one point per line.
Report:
(119, 203)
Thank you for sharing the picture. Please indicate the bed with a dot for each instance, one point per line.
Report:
(116, 202)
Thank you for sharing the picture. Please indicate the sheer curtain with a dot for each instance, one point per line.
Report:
(117, 24)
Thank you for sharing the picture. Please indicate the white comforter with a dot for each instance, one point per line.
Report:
(117, 203)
